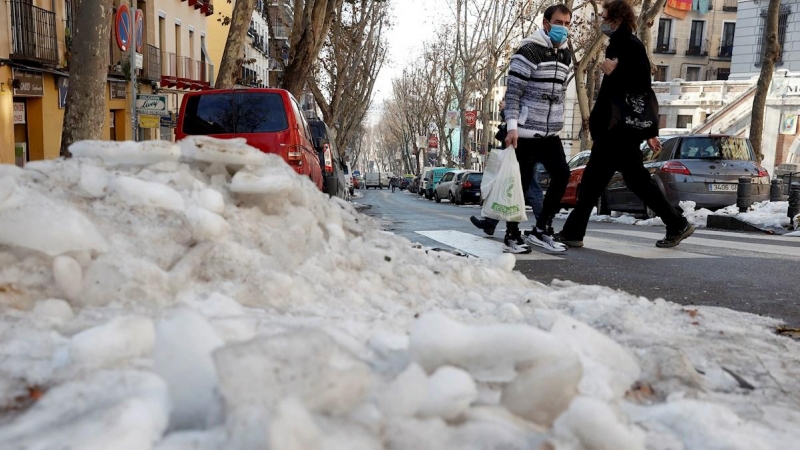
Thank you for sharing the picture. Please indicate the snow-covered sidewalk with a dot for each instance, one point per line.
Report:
(205, 296)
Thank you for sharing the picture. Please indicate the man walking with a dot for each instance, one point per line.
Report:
(534, 115)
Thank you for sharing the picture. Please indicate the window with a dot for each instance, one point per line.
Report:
(696, 43)
(692, 74)
(726, 42)
(661, 73)
(178, 40)
(783, 17)
(684, 122)
(729, 148)
(234, 113)
(662, 121)
(664, 41)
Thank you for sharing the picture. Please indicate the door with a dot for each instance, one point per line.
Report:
(696, 38)
(664, 34)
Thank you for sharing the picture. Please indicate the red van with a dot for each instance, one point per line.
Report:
(270, 120)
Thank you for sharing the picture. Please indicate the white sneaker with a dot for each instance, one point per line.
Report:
(545, 241)
(515, 245)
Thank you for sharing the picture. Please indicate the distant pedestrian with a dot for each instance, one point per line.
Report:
(393, 183)
(627, 71)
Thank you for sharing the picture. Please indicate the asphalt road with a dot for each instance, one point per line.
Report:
(756, 273)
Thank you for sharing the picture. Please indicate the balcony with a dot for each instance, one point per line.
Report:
(151, 69)
(665, 46)
(730, 5)
(33, 33)
(725, 50)
(182, 72)
(207, 8)
(697, 48)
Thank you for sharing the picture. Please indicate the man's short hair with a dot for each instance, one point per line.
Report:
(548, 13)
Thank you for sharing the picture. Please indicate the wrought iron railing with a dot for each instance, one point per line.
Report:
(665, 46)
(33, 33)
(151, 68)
(697, 48)
(725, 50)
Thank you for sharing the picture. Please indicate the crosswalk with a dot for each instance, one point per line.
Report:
(633, 244)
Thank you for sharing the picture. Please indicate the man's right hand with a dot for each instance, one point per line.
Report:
(511, 138)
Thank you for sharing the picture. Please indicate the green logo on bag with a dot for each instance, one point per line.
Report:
(509, 189)
(505, 209)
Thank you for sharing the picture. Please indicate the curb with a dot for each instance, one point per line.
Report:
(732, 223)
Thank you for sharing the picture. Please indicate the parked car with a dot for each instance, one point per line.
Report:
(469, 190)
(447, 185)
(704, 169)
(576, 166)
(405, 183)
(434, 175)
(356, 182)
(269, 119)
(348, 174)
(423, 182)
(332, 165)
(372, 180)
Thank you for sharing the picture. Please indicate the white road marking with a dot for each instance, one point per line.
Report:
(637, 250)
(766, 237)
(479, 246)
(725, 244)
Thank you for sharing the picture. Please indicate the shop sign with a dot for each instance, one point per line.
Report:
(170, 121)
(119, 90)
(19, 113)
(155, 105)
(149, 121)
(31, 84)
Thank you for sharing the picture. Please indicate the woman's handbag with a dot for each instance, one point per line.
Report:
(635, 113)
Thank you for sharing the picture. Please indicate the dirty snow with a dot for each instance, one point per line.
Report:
(228, 304)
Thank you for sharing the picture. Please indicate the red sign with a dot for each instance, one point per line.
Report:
(433, 141)
(471, 117)
(122, 25)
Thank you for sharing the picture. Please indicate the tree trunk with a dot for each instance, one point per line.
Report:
(771, 51)
(231, 66)
(582, 71)
(85, 110)
(312, 20)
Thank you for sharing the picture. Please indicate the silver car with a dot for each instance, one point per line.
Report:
(447, 185)
(704, 169)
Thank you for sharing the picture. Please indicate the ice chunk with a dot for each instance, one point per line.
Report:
(543, 389)
(216, 305)
(229, 152)
(450, 392)
(119, 339)
(105, 410)
(212, 201)
(505, 261)
(182, 357)
(50, 227)
(69, 276)
(126, 153)
(8, 185)
(134, 191)
(293, 428)
(245, 182)
(610, 368)
(53, 308)
(593, 425)
(256, 375)
(94, 180)
(206, 226)
(489, 353)
(129, 279)
(213, 439)
(406, 394)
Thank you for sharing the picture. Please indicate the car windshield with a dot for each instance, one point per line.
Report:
(711, 147)
(234, 113)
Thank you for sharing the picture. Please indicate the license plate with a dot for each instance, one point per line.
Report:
(723, 187)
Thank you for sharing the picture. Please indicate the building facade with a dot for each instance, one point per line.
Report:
(35, 49)
(256, 68)
(748, 50)
(695, 45)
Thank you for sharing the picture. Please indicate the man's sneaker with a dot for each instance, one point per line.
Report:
(673, 239)
(540, 239)
(558, 237)
(484, 225)
(512, 244)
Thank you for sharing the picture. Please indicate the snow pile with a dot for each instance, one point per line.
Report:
(205, 296)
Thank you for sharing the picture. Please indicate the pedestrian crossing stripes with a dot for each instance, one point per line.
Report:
(605, 240)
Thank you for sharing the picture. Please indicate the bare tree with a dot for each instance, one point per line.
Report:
(772, 50)
(85, 111)
(344, 76)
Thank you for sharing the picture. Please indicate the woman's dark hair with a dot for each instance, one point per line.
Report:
(622, 11)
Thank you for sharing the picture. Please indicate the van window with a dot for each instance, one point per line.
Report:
(234, 113)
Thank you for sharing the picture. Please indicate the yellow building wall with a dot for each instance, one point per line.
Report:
(44, 122)
(218, 33)
(6, 115)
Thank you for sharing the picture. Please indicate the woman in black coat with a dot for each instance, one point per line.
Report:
(627, 70)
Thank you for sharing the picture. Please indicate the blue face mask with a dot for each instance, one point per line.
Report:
(607, 29)
(558, 34)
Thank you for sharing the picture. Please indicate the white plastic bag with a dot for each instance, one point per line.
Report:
(490, 171)
(505, 199)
